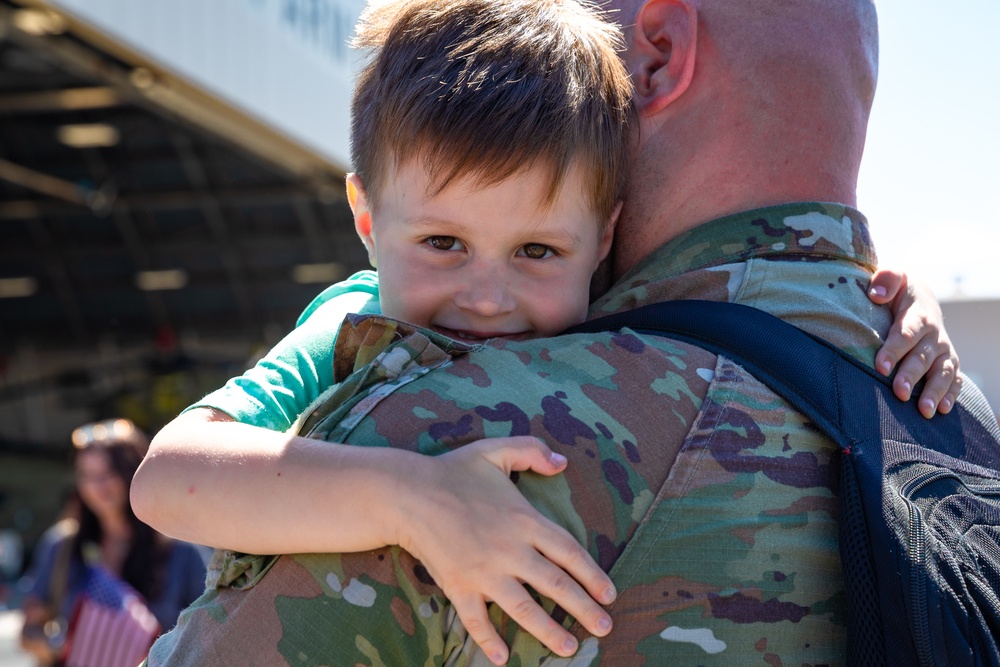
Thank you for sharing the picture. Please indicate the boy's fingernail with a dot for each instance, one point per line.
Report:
(609, 594)
(946, 405)
(557, 459)
(885, 367)
(878, 290)
(907, 387)
(498, 658)
(604, 624)
(569, 645)
(928, 406)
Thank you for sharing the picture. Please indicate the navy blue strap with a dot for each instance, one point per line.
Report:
(804, 370)
(845, 399)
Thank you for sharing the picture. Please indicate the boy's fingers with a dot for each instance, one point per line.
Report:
(940, 380)
(934, 361)
(885, 285)
(902, 386)
(572, 579)
(559, 547)
(559, 587)
(878, 294)
(899, 344)
(472, 612)
(917, 357)
(951, 396)
(522, 453)
(884, 362)
(533, 619)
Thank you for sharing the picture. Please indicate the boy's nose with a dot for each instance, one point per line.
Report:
(487, 294)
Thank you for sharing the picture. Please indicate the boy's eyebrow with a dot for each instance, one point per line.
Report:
(557, 237)
(536, 234)
(432, 225)
(429, 221)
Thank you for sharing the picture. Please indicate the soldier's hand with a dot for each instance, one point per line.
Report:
(481, 540)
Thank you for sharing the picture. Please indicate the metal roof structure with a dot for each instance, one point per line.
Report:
(139, 216)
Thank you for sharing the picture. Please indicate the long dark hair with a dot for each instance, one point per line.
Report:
(124, 445)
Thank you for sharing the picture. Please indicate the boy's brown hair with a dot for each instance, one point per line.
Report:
(486, 88)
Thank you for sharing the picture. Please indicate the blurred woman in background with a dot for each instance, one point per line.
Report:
(99, 545)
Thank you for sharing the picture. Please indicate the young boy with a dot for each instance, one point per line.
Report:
(490, 140)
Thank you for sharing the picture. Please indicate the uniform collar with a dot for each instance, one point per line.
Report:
(803, 231)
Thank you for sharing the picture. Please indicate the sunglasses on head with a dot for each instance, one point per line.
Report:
(103, 432)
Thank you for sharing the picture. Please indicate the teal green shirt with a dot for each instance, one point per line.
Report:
(299, 368)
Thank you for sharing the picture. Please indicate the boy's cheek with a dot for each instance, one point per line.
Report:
(560, 314)
(406, 294)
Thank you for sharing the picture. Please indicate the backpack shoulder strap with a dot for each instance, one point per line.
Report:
(781, 355)
(847, 400)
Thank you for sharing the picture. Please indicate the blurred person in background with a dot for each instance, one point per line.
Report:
(99, 552)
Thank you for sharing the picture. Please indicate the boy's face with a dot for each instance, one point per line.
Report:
(476, 262)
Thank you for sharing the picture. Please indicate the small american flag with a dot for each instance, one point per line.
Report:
(111, 626)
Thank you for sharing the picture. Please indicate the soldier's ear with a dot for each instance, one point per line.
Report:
(362, 215)
(662, 53)
(608, 235)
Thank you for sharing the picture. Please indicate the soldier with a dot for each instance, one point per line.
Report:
(711, 503)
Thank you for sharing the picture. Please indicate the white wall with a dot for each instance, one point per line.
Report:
(286, 62)
(974, 327)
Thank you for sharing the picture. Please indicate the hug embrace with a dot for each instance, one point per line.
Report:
(441, 478)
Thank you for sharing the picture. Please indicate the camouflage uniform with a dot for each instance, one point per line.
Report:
(711, 502)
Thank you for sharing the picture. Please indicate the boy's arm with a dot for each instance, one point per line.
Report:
(285, 381)
(207, 479)
(211, 480)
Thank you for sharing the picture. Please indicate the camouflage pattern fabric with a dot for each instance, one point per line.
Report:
(708, 499)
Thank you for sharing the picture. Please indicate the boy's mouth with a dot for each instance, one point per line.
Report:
(478, 336)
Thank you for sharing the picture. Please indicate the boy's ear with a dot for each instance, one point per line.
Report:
(362, 216)
(608, 234)
(665, 40)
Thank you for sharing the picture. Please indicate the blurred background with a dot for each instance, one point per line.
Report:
(931, 168)
(171, 197)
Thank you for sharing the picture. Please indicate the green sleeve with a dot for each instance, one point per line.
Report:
(362, 282)
(275, 391)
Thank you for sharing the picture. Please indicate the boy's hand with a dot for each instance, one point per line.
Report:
(918, 338)
(481, 540)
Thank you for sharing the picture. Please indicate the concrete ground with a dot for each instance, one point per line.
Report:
(10, 652)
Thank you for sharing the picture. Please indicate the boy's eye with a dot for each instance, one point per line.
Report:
(536, 251)
(444, 243)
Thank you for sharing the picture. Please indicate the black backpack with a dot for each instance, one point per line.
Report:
(920, 499)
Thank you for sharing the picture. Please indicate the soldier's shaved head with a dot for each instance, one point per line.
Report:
(744, 103)
(762, 29)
